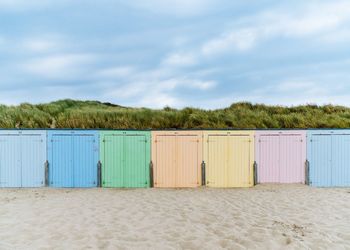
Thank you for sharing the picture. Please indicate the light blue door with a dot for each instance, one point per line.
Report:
(61, 168)
(73, 158)
(320, 160)
(10, 160)
(33, 148)
(340, 176)
(85, 163)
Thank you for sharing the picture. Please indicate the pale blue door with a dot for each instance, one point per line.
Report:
(320, 160)
(85, 162)
(61, 168)
(10, 160)
(33, 148)
(340, 176)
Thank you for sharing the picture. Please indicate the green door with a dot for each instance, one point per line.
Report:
(125, 158)
(112, 159)
(136, 167)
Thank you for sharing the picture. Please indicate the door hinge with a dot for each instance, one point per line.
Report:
(255, 172)
(46, 167)
(203, 173)
(99, 174)
(151, 176)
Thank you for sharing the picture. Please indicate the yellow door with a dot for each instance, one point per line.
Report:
(239, 171)
(217, 160)
(229, 158)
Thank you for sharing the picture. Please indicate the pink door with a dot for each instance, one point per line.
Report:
(281, 156)
(268, 166)
(292, 168)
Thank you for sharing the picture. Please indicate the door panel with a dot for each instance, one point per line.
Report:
(340, 161)
(10, 161)
(61, 166)
(217, 161)
(33, 160)
(292, 165)
(188, 163)
(321, 160)
(268, 165)
(164, 166)
(85, 166)
(136, 169)
(239, 162)
(112, 165)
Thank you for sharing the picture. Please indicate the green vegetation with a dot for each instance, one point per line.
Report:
(93, 114)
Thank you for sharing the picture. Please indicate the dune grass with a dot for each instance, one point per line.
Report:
(93, 114)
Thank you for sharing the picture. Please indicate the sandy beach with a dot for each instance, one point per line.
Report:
(266, 216)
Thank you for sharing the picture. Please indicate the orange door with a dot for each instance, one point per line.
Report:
(164, 161)
(188, 161)
(177, 157)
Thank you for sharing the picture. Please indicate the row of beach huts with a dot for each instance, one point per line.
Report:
(173, 158)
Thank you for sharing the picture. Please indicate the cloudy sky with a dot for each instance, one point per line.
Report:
(153, 53)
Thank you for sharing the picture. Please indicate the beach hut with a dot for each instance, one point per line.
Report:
(22, 158)
(125, 158)
(177, 158)
(229, 158)
(280, 156)
(73, 157)
(328, 154)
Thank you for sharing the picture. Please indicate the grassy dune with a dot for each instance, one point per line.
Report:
(93, 114)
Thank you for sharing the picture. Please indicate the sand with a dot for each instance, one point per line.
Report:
(263, 217)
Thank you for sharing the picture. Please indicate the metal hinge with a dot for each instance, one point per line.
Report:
(99, 174)
(255, 171)
(151, 176)
(307, 172)
(203, 173)
(46, 166)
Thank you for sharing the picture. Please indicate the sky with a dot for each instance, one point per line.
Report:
(156, 53)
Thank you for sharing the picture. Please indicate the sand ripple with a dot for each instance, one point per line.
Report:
(264, 217)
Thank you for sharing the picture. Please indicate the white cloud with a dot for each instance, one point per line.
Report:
(57, 66)
(22, 5)
(159, 100)
(49, 43)
(173, 83)
(45, 57)
(295, 86)
(301, 91)
(336, 37)
(198, 84)
(32, 44)
(309, 20)
(240, 40)
(180, 59)
(154, 88)
(171, 7)
(115, 72)
(133, 89)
